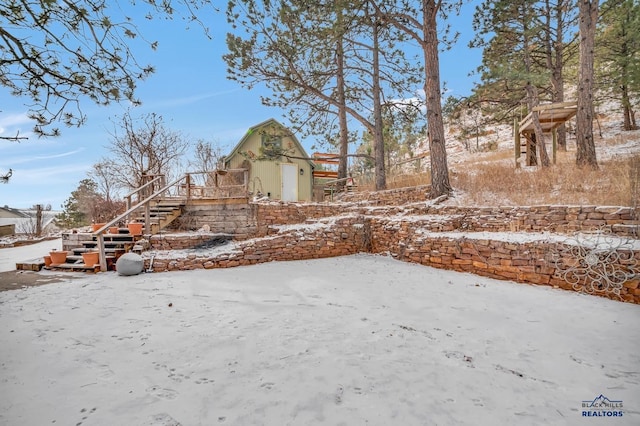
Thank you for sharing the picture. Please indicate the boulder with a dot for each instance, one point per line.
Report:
(130, 264)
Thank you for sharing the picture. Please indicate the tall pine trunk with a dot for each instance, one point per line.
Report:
(435, 127)
(586, 149)
(378, 137)
(558, 66)
(342, 113)
(342, 104)
(532, 94)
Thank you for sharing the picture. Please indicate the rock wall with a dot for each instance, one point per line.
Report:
(233, 216)
(438, 236)
(563, 219)
(545, 261)
(329, 238)
(389, 197)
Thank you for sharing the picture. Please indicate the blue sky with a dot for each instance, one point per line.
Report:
(189, 89)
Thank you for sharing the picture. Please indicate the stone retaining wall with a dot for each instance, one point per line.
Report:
(563, 219)
(331, 238)
(402, 224)
(416, 233)
(229, 216)
(527, 262)
(389, 197)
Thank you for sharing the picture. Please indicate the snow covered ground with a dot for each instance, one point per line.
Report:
(342, 341)
(9, 256)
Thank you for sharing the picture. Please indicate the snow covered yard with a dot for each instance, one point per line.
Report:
(353, 340)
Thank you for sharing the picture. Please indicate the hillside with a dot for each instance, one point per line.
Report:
(487, 175)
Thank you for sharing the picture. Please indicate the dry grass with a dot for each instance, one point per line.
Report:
(564, 183)
(492, 179)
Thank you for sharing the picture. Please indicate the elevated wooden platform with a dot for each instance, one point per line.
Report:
(550, 117)
(325, 174)
(325, 158)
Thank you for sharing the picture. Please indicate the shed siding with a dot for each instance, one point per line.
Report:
(265, 175)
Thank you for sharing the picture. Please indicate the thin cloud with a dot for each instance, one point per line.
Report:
(55, 174)
(10, 124)
(11, 120)
(29, 159)
(188, 100)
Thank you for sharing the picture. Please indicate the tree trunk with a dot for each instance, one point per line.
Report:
(378, 137)
(558, 66)
(38, 220)
(586, 150)
(532, 149)
(342, 113)
(435, 127)
(540, 141)
(532, 97)
(627, 111)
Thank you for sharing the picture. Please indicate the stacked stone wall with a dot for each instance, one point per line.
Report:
(562, 219)
(427, 234)
(527, 262)
(233, 216)
(389, 197)
(339, 237)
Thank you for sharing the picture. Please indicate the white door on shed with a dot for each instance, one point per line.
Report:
(289, 187)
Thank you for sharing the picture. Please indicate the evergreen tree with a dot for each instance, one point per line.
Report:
(618, 55)
(80, 208)
(419, 21)
(525, 51)
(322, 62)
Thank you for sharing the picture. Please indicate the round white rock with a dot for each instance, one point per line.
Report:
(130, 264)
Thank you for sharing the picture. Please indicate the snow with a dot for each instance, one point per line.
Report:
(352, 340)
(9, 256)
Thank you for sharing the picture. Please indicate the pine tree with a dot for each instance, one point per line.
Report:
(618, 55)
(321, 61)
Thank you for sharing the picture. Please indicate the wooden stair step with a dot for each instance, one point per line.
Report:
(74, 267)
(118, 237)
(169, 204)
(165, 209)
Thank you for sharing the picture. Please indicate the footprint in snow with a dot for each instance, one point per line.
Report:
(162, 393)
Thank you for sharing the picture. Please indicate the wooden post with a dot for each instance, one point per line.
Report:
(554, 139)
(38, 220)
(147, 218)
(188, 176)
(103, 256)
(516, 141)
(128, 207)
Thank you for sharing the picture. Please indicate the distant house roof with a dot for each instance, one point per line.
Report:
(271, 121)
(8, 212)
(26, 222)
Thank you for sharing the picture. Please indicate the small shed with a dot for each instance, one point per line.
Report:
(278, 165)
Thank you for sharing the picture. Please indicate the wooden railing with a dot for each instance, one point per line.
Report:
(145, 203)
(154, 189)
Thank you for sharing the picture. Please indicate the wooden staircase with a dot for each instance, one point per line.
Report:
(115, 245)
(161, 214)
